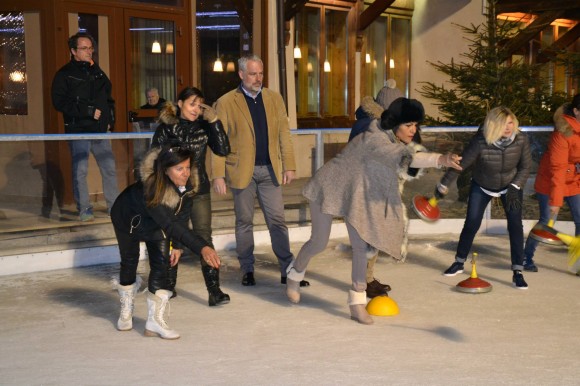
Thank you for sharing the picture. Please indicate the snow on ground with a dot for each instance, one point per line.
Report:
(58, 327)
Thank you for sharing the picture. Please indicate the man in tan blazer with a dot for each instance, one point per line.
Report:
(260, 161)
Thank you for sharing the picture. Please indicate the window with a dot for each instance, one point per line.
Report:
(374, 59)
(152, 58)
(307, 75)
(13, 77)
(322, 73)
(221, 38)
(335, 68)
(388, 54)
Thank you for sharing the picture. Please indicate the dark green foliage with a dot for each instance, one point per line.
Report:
(570, 60)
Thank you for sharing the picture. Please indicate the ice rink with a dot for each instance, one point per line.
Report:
(58, 327)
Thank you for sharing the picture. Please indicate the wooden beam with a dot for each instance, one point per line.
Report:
(533, 29)
(372, 12)
(359, 35)
(564, 41)
(244, 14)
(292, 7)
(534, 6)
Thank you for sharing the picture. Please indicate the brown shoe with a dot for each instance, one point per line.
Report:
(376, 288)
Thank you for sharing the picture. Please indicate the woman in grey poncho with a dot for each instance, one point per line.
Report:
(361, 184)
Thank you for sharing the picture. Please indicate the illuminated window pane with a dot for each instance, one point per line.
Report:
(375, 57)
(308, 67)
(152, 59)
(399, 66)
(335, 72)
(13, 99)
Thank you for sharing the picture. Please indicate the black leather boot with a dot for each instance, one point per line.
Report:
(172, 280)
(212, 282)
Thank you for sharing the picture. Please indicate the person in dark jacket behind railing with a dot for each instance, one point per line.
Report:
(154, 101)
(156, 210)
(81, 91)
(501, 159)
(196, 126)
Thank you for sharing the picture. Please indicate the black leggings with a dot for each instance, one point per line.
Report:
(158, 251)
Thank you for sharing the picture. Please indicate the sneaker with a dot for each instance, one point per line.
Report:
(454, 269)
(86, 217)
(518, 280)
(531, 267)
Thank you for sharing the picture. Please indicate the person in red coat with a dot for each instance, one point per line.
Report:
(558, 178)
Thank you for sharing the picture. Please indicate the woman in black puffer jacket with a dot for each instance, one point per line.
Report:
(196, 126)
(501, 159)
(156, 210)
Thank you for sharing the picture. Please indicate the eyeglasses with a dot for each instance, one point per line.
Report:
(85, 49)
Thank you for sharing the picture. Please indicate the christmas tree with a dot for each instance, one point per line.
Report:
(489, 77)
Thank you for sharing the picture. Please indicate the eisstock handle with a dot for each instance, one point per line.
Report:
(433, 201)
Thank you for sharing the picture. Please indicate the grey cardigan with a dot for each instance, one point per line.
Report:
(362, 184)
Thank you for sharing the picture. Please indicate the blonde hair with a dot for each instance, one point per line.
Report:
(495, 122)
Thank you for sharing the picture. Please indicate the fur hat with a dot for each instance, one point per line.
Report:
(402, 110)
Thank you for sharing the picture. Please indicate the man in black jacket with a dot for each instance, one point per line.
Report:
(81, 91)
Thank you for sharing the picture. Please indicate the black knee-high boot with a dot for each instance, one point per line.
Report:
(212, 282)
(172, 279)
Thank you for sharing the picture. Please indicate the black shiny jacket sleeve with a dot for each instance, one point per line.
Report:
(218, 140)
(175, 226)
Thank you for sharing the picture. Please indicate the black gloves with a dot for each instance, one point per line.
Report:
(513, 198)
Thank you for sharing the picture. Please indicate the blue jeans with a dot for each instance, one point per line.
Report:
(269, 193)
(544, 202)
(103, 153)
(476, 205)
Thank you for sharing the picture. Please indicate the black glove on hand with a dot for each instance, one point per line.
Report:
(513, 199)
(209, 113)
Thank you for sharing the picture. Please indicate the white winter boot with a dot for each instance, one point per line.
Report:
(156, 325)
(127, 294)
(293, 279)
(357, 302)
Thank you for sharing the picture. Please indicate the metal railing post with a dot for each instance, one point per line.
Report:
(319, 150)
